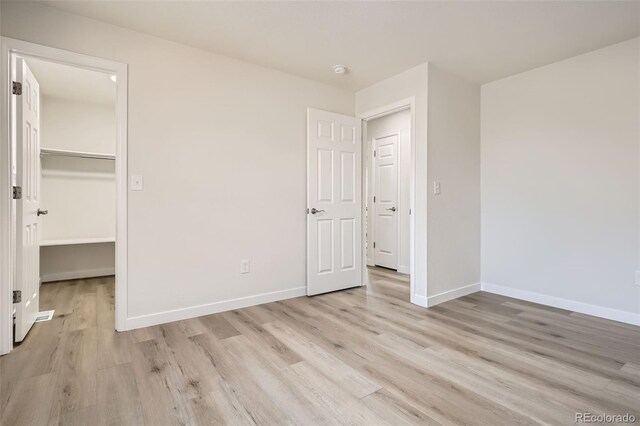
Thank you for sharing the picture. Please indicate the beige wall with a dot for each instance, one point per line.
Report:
(76, 261)
(78, 126)
(453, 226)
(560, 182)
(221, 145)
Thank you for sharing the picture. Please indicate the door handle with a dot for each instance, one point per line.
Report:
(41, 212)
(393, 209)
(314, 211)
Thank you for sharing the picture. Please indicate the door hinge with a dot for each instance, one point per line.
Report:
(409, 212)
(17, 296)
(17, 192)
(374, 152)
(374, 198)
(17, 88)
(374, 244)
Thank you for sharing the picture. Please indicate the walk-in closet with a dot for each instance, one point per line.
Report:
(78, 183)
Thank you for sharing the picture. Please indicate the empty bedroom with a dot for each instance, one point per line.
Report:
(319, 212)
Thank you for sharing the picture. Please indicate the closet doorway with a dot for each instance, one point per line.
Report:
(76, 227)
(389, 178)
(67, 155)
(388, 182)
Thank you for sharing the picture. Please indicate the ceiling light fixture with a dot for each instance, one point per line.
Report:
(339, 69)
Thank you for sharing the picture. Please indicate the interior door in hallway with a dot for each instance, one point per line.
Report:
(386, 201)
(27, 129)
(334, 201)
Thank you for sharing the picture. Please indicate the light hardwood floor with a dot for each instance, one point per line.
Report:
(362, 356)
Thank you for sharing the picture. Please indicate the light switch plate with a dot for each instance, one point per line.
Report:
(436, 187)
(137, 183)
(244, 266)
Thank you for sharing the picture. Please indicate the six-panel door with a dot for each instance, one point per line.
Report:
(386, 201)
(27, 125)
(334, 187)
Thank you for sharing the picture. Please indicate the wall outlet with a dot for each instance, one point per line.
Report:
(637, 277)
(244, 266)
(436, 187)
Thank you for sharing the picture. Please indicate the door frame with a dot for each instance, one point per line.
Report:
(9, 48)
(410, 104)
(373, 170)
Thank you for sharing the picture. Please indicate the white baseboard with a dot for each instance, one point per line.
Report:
(419, 300)
(404, 269)
(211, 308)
(73, 275)
(568, 304)
(452, 294)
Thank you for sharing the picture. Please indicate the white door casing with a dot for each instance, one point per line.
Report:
(334, 189)
(386, 204)
(27, 128)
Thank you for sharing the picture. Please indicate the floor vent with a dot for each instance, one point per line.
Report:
(44, 316)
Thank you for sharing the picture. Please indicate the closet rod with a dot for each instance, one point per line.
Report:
(79, 154)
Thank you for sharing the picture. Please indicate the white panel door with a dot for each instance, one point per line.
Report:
(386, 201)
(334, 201)
(27, 129)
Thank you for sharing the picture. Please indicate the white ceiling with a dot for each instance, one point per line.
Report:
(479, 40)
(72, 83)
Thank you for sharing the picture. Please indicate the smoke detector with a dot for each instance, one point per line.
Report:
(339, 69)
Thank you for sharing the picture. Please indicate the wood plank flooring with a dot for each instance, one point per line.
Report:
(362, 356)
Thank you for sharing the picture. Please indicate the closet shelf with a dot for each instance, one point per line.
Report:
(72, 241)
(80, 154)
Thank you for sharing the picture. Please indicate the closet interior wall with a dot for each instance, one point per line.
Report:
(78, 189)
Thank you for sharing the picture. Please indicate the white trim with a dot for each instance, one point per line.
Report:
(74, 241)
(404, 269)
(445, 296)
(388, 109)
(407, 103)
(8, 48)
(73, 275)
(368, 231)
(212, 308)
(7, 247)
(79, 154)
(568, 304)
(419, 300)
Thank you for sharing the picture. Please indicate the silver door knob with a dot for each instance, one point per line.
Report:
(41, 212)
(392, 209)
(314, 211)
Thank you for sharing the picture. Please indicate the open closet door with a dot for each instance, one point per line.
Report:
(27, 129)
(334, 201)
